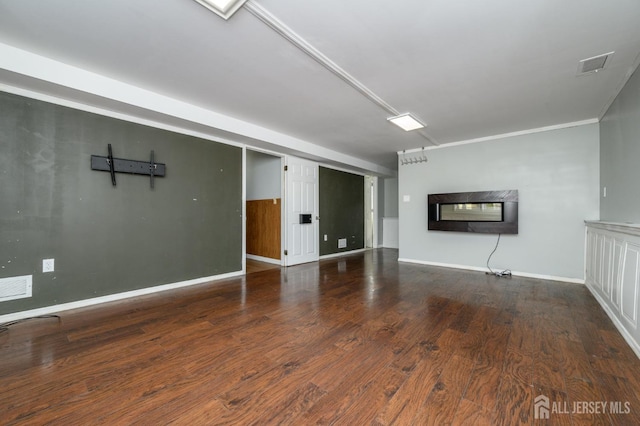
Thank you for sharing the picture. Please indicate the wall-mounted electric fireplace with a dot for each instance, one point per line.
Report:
(493, 212)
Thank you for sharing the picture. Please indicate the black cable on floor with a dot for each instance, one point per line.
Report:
(504, 273)
(5, 327)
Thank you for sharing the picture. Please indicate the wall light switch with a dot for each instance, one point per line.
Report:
(325, 237)
(604, 192)
(406, 198)
(48, 265)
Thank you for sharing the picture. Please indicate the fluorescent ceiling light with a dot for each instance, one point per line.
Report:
(223, 8)
(406, 122)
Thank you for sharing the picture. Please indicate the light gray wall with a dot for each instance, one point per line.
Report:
(391, 197)
(387, 204)
(556, 174)
(620, 156)
(263, 176)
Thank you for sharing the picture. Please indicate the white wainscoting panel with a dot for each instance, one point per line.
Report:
(615, 277)
(613, 274)
(629, 285)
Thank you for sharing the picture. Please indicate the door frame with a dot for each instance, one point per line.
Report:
(283, 197)
(284, 160)
(376, 197)
(371, 209)
(285, 206)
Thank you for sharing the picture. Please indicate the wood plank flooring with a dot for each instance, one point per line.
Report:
(354, 340)
(257, 266)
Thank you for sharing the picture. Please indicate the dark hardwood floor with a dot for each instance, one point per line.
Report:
(257, 266)
(354, 340)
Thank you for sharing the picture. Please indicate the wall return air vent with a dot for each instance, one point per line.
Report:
(15, 287)
(594, 64)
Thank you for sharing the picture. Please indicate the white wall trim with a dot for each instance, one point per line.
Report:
(265, 151)
(113, 114)
(623, 82)
(244, 209)
(342, 253)
(616, 321)
(624, 228)
(503, 136)
(613, 275)
(159, 125)
(100, 87)
(304, 46)
(480, 269)
(376, 212)
(114, 297)
(264, 259)
(343, 169)
(393, 175)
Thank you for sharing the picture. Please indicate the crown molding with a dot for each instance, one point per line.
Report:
(296, 40)
(89, 90)
(612, 99)
(504, 135)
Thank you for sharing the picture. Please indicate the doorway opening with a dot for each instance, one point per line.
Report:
(302, 215)
(370, 203)
(263, 210)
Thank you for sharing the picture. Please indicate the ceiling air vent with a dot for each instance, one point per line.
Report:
(593, 64)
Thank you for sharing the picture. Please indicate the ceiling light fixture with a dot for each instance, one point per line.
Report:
(296, 40)
(406, 122)
(222, 8)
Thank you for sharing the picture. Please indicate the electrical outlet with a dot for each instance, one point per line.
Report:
(48, 265)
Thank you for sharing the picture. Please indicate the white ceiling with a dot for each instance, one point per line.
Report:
(469, 69)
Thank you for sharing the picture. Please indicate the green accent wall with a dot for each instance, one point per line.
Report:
(107, 239)
(341, 210)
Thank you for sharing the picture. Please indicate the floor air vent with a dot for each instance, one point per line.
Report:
(15, 287)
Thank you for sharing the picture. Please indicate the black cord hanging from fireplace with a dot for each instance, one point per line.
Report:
(119, 165)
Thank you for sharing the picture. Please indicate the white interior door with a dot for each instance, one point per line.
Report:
(368, 211)
(302, 199)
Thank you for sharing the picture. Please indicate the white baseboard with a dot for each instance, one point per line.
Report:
(113, 297)
(264, 259)
(479, 269)
(616, 321)
(342, 253)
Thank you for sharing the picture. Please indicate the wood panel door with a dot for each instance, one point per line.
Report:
(263, 228)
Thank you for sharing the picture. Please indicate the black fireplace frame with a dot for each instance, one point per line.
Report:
(508, 224)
